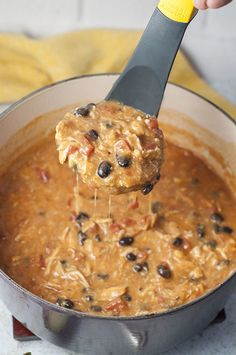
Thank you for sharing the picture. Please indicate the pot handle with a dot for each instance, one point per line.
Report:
(178, 10)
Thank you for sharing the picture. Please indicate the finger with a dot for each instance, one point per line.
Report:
(215, 4)
(200, 4)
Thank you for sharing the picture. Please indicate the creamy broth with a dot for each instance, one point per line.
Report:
(135, 255)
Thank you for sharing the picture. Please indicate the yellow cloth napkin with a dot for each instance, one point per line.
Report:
(27, 64)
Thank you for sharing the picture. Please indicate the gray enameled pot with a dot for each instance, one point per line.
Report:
(88, 334)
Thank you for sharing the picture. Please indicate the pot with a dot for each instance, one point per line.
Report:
(188, 120)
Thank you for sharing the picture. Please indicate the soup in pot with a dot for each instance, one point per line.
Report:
(125, 255)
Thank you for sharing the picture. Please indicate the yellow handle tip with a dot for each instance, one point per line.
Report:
(177, 10)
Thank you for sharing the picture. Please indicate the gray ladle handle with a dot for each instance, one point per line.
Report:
(143, 81)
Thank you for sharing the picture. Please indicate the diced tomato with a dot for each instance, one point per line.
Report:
(116, 306)
(69, 202)
(72, 149)
(94, 229)
(134, 205)
(43, 174)
(73, 217)
(149, 145)
(2, 236)
(153, 124)
(115, 227)
(86, 148)
(41, 261)
(127, 222)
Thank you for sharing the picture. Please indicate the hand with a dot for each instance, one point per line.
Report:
(210, 4)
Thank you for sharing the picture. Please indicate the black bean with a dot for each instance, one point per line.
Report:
(85, 289)
(177, 242)
(194, 215)
(104, 169)
(127, 297)
(75, 167)
(26, 260)
(164, 271)
(201, 230)
(91, 105)
(89, 298)
(124, 162)
(162, 218)
(84, 110)
(64, 262)
(102, 276)
(158, 176)
(216, 217)
(212, 243)
(65, 302)
(147, 188)
(109, 125)
(82, 237)
(42, 213)
(81, 111)
(124, 241)
(226, 230)
(95, 308)
(82, 216)
(131, 257)
(138, 267)
(215, 194)
(195, 181)
(222, 229)
(97, 238)
(216, 228)
(92, 135)
(156, 206)
(224, 262)
(145, 266)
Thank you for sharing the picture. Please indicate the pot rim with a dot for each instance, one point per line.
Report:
(72, 312)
